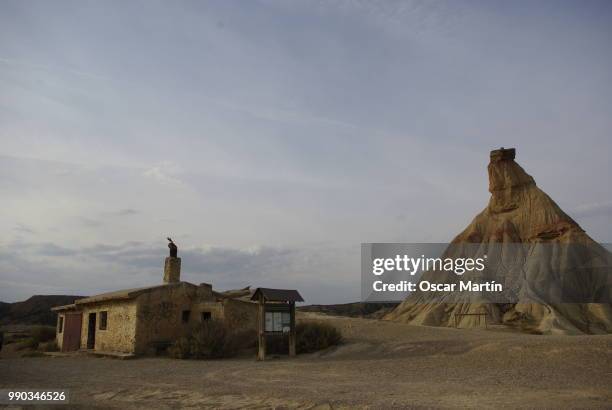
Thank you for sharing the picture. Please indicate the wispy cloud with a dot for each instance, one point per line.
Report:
(249, 131)
(23, 228)
(18, 64)
(165, 172)
(105, 267)
(125, 212)
(593, 209)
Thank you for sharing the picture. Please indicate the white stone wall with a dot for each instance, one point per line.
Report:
(120, 333)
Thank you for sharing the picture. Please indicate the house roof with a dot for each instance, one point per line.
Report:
(240, 294)
(127, 293)
(278, 295)
(72, 306)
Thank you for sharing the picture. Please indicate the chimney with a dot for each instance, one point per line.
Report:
(172, 270)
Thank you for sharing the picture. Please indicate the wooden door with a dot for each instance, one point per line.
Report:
(72, 332)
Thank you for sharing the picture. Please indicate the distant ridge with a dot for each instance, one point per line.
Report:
(356, 309)
(34, 311)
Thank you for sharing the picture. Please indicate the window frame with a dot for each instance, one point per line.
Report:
(185, 316)
(103, 322)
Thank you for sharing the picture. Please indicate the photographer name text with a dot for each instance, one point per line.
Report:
(411, 266)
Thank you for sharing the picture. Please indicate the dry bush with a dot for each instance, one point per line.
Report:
(29, 343)
(314, 336)
(181, 349)
(10, 338)
(49, 347)
(33, 354)
(277, 344)
(43, 333)
(212, 339)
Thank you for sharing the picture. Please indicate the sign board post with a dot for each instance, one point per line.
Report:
(292, 329)
(276, 315)
(261, 335)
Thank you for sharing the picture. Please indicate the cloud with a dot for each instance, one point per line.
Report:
(593, 209)
(30, 66)
(105, 218)
(107, 267)
(90, 222)
(125, 212)
(165, 172)
(296, 123)
(23, 228)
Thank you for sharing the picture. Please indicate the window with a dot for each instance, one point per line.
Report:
(206, 316)
(278, 322)
(185, 316)
(103, 319)
(60, 324)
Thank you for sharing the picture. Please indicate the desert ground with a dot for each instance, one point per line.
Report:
(381, 365)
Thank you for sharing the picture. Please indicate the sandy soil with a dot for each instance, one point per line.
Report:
(382, 365)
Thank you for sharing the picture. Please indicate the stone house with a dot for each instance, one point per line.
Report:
(147, 320)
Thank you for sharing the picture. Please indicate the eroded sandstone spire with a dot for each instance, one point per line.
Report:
(519, 212)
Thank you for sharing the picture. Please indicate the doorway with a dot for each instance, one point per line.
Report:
(91, 331)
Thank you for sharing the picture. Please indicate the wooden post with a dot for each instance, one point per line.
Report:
(292, 329)
(261, 331)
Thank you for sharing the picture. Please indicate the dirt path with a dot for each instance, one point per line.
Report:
(382, 365)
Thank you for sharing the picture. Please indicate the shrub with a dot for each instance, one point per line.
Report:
(33, 354)
(181, 349)
(211, 340)
(29, 343)
(43, 333)
(50, 347)
(314, 336)
(277, 344)
(247, 338)
(14, 337)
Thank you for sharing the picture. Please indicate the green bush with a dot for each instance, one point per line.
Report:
(211, 340)
(43, 333)
(314, 336)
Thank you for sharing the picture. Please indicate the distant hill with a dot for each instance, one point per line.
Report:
(4, 309)
(356, 309)
(34, 311)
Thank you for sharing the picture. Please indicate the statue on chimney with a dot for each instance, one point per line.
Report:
(173, 248)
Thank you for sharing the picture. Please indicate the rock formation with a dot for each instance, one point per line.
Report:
(520, 213)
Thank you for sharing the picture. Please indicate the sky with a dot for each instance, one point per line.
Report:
(270, 139)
